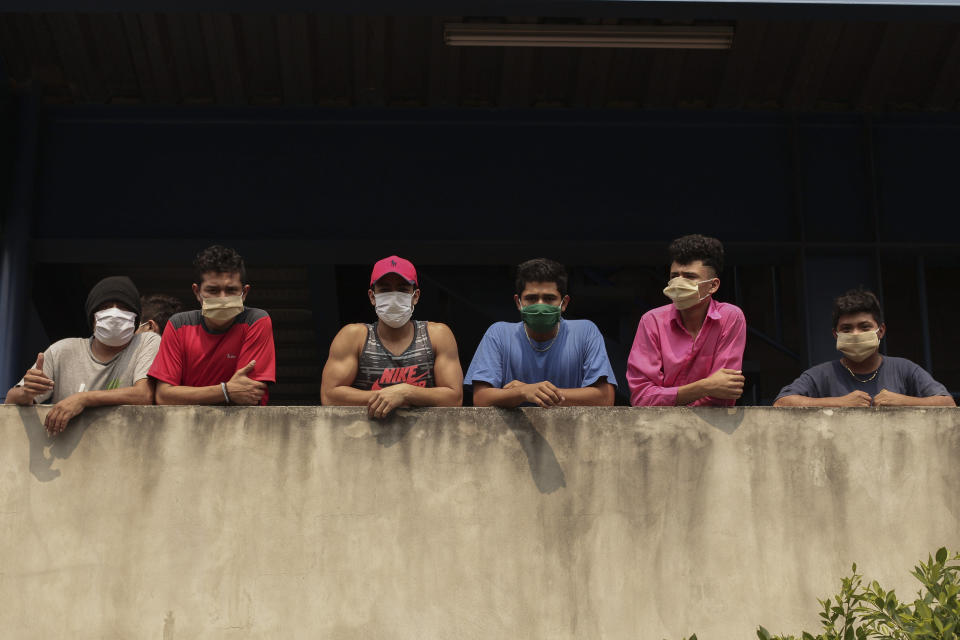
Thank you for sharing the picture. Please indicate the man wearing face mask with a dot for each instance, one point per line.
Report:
(222, 353)
(397, 361)
(863, 377)
(543, 360)
(689, 352)
(109, 368)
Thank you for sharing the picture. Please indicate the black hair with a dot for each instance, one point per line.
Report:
(219, 259)
(541, 270)
(857, 301)
(696, 247)
(159, 308)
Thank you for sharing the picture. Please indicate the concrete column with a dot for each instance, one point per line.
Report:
(15, 256)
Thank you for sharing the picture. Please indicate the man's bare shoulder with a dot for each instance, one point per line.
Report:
(349, 341)
(353, 332)
(439, 330)
(437, 326)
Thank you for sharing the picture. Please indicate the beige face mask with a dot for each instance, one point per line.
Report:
(222, 310)
(858, 346)
(684, 293)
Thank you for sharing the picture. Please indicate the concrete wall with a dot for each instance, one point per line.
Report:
(184, 523)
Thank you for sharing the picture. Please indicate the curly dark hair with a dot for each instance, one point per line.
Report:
(541, 270)
(857, 301)
(219, 259)
(696, 247)
(159, 308)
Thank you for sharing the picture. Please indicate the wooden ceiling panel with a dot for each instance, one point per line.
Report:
(700, 80)
(516, 72)
(110, 45)
(444, 66)
(946, 88)
(554, 77)
(332, 60)
(480, 76)
(188, 47)
(516, 78)
(260, 57)
(592, 70)
(369, 46)
(223, 58)
(776, 66)
(590, 88)
(742, 60)
(139, 58)
(915, 76)
(408, 61)
(881, 74)
(663, 80)
(47, 71)
(157, 48)
(852, 60)
(627, 78)
(816, 55)
(373, 61)
(296, 60)
(13, 51)
(77, 58)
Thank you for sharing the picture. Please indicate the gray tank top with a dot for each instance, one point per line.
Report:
(378, 368)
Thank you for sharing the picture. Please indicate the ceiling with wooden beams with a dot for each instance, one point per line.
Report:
(364, 61)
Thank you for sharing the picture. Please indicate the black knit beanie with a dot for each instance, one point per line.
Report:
(113, 289)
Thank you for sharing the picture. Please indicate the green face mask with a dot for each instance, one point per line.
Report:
(540, 318)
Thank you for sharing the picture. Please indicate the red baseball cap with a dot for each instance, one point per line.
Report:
(397, 265)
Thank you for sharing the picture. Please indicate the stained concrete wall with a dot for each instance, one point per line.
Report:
(187, 523)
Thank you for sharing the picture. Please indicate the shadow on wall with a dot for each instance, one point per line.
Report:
(391, 431)
(727, 420)
(60, 447)
(544, 467)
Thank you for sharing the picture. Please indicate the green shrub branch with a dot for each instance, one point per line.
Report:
(869, 612)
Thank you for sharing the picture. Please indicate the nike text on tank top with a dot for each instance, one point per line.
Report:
(378, 368)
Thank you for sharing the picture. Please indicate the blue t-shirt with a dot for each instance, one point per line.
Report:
(832, 380)
(577, 358)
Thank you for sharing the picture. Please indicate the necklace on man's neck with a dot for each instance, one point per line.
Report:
(533, 344)
(870, 379)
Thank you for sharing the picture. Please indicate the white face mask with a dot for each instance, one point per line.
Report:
(858, 346)
(684, 293)
(394, 308)
(222, 310)
(114, 327)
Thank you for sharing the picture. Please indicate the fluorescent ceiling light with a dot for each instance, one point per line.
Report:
(484, 34)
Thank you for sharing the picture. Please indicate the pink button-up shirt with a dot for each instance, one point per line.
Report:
(665, 357)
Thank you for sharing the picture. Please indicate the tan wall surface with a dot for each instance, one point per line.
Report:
(308, 522)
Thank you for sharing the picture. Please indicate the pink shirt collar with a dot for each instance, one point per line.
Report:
(712, 312)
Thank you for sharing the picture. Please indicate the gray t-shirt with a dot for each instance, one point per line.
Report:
(70, 364)
(832, 380)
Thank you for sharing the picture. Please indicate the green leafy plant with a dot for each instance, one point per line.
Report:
(870, 612)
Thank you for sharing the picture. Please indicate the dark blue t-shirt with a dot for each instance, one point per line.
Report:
(577, 358)
(832, 380)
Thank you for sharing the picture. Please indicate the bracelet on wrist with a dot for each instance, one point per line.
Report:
(226, 396)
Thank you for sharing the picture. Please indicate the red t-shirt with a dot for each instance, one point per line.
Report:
(192, 355)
